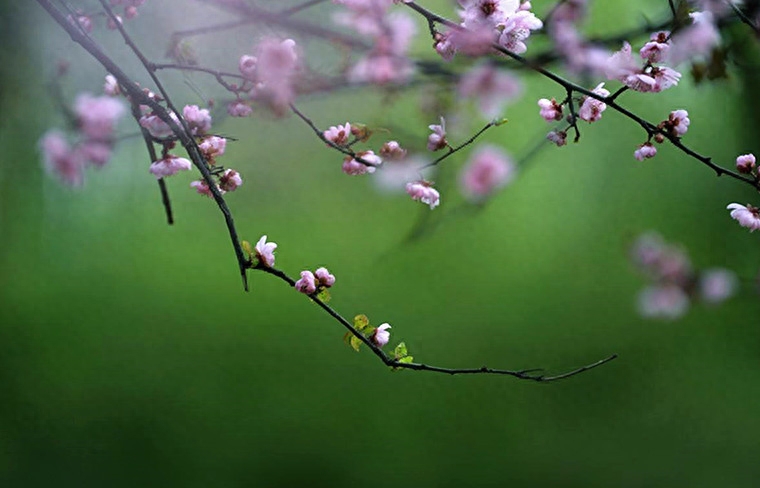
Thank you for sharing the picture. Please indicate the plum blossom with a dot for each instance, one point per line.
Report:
(392, 151)
(157, 127)
(203, 189)
(557, 137)
(550, 111)
(338, 135)
(663, 301)
(213, 147)
(265, 252)
(623, 67)
(645, 151)
(677, 123)
(97, 116)
(306, 285)
(488, 170)
(748, 216)
(437, 140)
(247, 66)
(111, 86)
(697, 39)
(424, 192)
(745, 163)
(239, 109)
(59, 158)
(353, 167)
(655, 50)
(381, 336)
(591, 108)
(169, 165)
(324, 277)
(717, 285)
(387, 61)
(198, 119)
(516, 29)
(491, 87)
(230, 180)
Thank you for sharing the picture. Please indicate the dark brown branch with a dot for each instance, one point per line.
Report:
(453, 150)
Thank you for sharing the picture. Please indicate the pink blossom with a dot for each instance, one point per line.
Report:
(748, 216)
(353, 167)
(324, 277)
(663, 301)
(157, 127)
(95, 152)
(247, 66)
(381, 69)
(678, 122)
(130, 12)
(230, 180)
(114, 24)
(276, 70)
(203, 189)
(265, 252)
(198, 119)
(239, 109)
(212, 147)
(97, 116)
(170, 165)
(473, 41)
(557, 137)
(444, 46)
(424, 192)
(437, 140)
(486, 13)
(550, 110)
(745, 163)
(622, 66)
(717, 285)
(591, 108)
(392, 151)
(516, 29)
(645, 151)
(60, 160)
(338, 135)
(491, 87)
(381, 336)
(111, 86)
(695, 40)
(306, 284)
(488, 170)
(655, 50)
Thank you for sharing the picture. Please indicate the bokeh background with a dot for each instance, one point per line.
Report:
(130, 356)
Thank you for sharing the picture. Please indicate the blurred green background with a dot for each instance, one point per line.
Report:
(130, 356)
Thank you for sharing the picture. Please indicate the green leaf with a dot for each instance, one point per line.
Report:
(361, 322)
(324, 295)
(406, 359)
(353, 341)
(400, 351)
(247, 248)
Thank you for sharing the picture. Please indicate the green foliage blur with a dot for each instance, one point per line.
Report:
(131, 357)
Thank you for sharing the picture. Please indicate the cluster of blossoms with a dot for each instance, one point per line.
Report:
(270, 77)
(391, 33)
(317, 281)
(675, 283)
(646, 77)
(507, 23)
(95, 120)
(676, 126)
(747, 215)
(130, 12)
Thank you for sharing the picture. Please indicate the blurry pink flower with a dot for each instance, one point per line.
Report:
(198, 119)
(488, 170)
(95, 152)
(444, 47)
(591, 108)
(437, 140)
(230, 180)
(111, 86)
(645, 151)
(474, 41)
(265, 252)
(338, 135)
(654, 51)
(247, 66)
(169, 166)
(60, 159)
(97, 116)
(424, 192)
(557, 137)
(353, 167)
(213, 146)
(392, 151)
(306, 284)
(550, 110)
(324, 277)
(239, 109)
(748, 216)
(203, 189)
(381, 336)
(491, 87)
(663, 301)
(717, 285)
(745, 163)
(695, 40)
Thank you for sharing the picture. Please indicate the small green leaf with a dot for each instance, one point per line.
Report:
(247, 248)
(324, 295)
(406, 359)
(353, 341)
(400, 351)
(361, 322)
